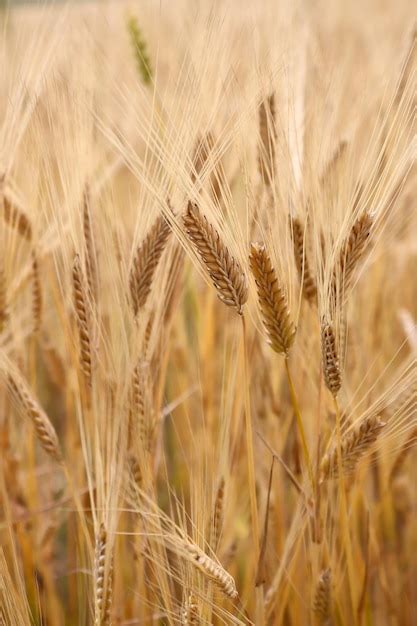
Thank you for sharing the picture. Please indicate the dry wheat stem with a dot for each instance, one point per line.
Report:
(145, 262)
(272, 300)
(225, 271)
(353, 446)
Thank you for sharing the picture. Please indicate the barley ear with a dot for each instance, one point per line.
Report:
(225, 271)
(331, 369)
(272, 301)
(322, 598)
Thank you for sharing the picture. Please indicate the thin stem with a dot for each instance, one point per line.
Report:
(251, 474)
(344, 511)
(299, 421)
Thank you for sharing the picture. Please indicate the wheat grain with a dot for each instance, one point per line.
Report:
(211, 569)
(226, 273)
(272, 301)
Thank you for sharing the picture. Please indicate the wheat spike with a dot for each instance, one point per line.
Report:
(141, 402)
(36, 293)
(353, 446)
(4, 313)
(272, 300)
(90, 253)
(43, 426)
(352, 250)
(145, 262)
(80, 304)
(217, 519)
(211, 569)
(300, 254)
(266, 157)
(103, 588)
(322, 597)
(226, 273)
(16, 218)
(331, 370)
(189, 612)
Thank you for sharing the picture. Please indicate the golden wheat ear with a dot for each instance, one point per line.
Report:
(308, 284)
(225, 271)
(272, 300)
(83, 321)
(146, 260)
(352, 251)
(103, 586)
(353, 446)
(322, 598)
(331, 369)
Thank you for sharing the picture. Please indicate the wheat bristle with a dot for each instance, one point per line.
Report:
(272, 300)
(353, 446)
(322, 597)
(80, 305)
(226, 273)
(308, 283)
(43, 427)
(145, 262)
(331, 369)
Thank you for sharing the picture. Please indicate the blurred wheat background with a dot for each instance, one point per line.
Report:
(208, 308)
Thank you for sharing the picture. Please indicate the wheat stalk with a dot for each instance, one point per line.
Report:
(80, 305)
(272, 301)
(145, 262)
(226, 273)
(331, 369)
(353, 446)
(43, 426)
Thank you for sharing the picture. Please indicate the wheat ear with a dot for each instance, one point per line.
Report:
(43, 426)
(217, 519)
(16, 218)
(353, 446)
(36, 293)
(322, 597)
(80, 305)
(303, 267)
(272, 301)
(4, 313)
(226, 273)
(266, 156)
(189, 611)
(90, 253)
(211, 569)
(103, 588)
(352, 250)
(331, 369)
(145, 262)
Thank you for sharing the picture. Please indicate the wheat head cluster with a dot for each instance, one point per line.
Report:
(208, 309)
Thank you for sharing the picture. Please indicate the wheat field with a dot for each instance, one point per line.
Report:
(208, 309)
